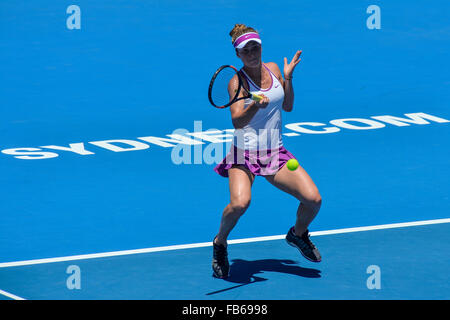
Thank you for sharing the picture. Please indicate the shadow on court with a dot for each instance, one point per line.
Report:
(243, 271)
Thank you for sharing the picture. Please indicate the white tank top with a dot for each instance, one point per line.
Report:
(263, 132)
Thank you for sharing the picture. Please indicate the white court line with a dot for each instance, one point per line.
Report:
(208, 244)
(10, 295)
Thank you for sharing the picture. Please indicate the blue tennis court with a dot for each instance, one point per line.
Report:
(108, 144)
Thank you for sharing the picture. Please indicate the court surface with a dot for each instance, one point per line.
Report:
(95, 121)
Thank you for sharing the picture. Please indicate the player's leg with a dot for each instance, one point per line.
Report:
(300, 185)
(240, 181)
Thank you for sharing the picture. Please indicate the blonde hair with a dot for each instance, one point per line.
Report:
(240, 29)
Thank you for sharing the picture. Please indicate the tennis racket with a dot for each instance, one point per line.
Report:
(218, 93)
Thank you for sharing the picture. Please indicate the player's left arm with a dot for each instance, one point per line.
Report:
(288, 70)
(288, 102)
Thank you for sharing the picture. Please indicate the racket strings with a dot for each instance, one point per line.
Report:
(219, 91)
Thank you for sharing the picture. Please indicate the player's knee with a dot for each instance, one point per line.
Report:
(317, 199)
(313, 200)
(240, 205)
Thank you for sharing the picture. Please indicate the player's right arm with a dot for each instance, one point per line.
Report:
(240, 115)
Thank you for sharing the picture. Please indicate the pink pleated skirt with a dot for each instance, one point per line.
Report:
(259, 162)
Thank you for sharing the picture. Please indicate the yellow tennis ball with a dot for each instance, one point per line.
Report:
(292, 164)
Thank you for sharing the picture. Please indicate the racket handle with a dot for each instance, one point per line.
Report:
(256, 97)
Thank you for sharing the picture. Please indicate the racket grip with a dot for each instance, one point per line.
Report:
(256, 97)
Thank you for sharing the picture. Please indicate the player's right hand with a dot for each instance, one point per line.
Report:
(263, 102)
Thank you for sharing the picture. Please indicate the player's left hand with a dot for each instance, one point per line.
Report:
(289, 68)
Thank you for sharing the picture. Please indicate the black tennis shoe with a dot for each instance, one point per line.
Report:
(304, 245)
(220, 265)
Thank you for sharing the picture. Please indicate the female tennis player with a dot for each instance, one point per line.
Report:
(260, 150)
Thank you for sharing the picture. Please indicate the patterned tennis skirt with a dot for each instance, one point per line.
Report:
(259, 162)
